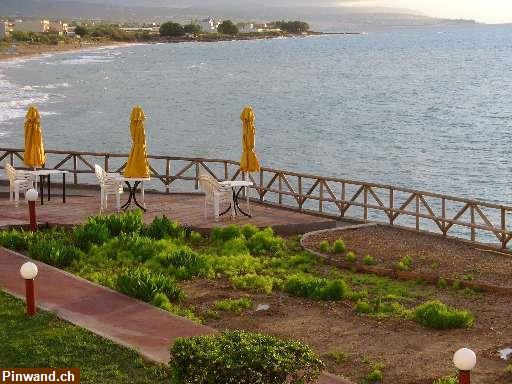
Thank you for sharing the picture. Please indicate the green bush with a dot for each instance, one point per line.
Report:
(240, 357)
(317, 288)
(162, 227)
(235, 246)
(128, 222)
(254, 282)
(220, 234)
(265, 241)
(447, 380)
(249, 230)
(404, 264)
(180, 261)
(142, 284)
(435, 314)
(233, 305)
(338, 356)
(351, 257)
(368, 260)
(339, 246)
(196, 237)
(90, 233)
(53, 251)
(129, 248)
(237, 264)
(375, 376)
(324, 246)
(363, 306)
(15, 240)
(162, 301)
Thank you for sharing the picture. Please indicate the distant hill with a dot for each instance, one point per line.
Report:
(322, 18)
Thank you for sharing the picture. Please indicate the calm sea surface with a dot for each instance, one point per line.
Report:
(427, 108)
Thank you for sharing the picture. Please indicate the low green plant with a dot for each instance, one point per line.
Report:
(351, 257)
(435, 314)
(405, 263)
(179, 261)
(447, 380)
(91, 233)
(196, 237)
(368, 260)
(233, 305)
(338, 356)
(339, 246)
(53, 251)
(241, 357)
(162, 227)
(223, 234)
(324, 246)
(363, 306)
(265, 241)
(143, 284)
(317, 288)
(129, 248)
(162, 301)
(375, 376)
(442, 283)
(16, 240)
(456, 284)
(128, 222)
(254, 282)
(508, 370)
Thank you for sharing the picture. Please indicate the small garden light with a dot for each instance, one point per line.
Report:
(465, 360)
(31, 196)
(28, 272)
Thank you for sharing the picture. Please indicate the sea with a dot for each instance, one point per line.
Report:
(428, 108)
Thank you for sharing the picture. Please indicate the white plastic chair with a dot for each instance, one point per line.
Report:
(19, 181)
(110, 184)
(215, 193)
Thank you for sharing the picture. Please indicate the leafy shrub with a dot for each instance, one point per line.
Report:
(90, 233)
(338, 356)
(196, 237)
(233, 305)
(162, 301)
(265, 241)
(162, 227)
(339, 246)
(53, 251)
(254, 282)
(15, 240)
(351, 257)
(130, 248)
(447, 380)
(240, 357)
(363, 306)
(142, 284)
(404, 264)
(179, 260)
(508, 370)
(249, 230)
(220, 234)
(324, 246)
(235, 246)
(368, 260)
(435, 314)
(128, 222)
(317, 288)
(442, 283)
(375, 376)
(237, 264)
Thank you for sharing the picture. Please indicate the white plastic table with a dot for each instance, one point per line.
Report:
(240, 184)
(46, 173)
(133, 189)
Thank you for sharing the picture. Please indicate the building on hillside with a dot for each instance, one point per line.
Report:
(209, 25)
(246, 27)
(5, 29)
(40, 26)
(59, 27)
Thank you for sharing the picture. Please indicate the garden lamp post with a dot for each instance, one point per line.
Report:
(29, 272)
(465, 360)
(31, 197)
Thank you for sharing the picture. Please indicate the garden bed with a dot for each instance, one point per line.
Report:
(359, 324)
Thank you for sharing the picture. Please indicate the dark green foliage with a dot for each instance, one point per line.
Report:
(317, 288)
(324, 246)
(368, 260)
(128, 222)
(54, 251)
(351, 257)
(374, 377)
(142, 284)
(129, 248)
(292, 26)
(172, 29)
(192, 28)
(240, 357)
(81, 31)
(110, 31)
(220, 234)
(90, 233)
(249, 230)
(180, 261)
(162, 227)
(254, 282)
(196, 237)
(338, 246)
(363, 306)
(435, 314)
(233, 305)
(265, 241)
(15, 240)
(227, 27)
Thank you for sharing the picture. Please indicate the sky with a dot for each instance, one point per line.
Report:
(486, 11)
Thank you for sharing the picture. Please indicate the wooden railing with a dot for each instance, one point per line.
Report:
(471, 220)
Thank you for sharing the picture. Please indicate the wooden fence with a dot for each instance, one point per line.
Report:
(472, 220)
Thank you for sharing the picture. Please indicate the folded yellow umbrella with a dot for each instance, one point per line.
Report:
(137, 165)
(34, 148)
(248, 162)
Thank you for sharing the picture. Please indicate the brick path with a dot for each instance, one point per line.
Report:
(124, 320)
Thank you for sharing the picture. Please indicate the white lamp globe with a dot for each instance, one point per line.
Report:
(28, 270)
(31, 195)
(464, 359)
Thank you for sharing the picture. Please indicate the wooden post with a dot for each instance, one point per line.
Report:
(167, 174)
(503, 228)
(280, 196)
(392, 206)
(473, 232)
(261, 184)
(443, 213)
(226, 175)
(321, 196)
(75, 174)
(365, 202)
(301, 200)
(417, 211)
(197, 176)
(343, 192)
(106, 162)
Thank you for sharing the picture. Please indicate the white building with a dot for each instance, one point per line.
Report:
(209, 25)
(59, 27)
(5, 29)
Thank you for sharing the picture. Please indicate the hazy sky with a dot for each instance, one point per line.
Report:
(488, 11)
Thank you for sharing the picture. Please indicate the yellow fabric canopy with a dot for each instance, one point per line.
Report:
(137, 165)
(248, 162)
(34, 148)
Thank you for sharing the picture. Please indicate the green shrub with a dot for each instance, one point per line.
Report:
(442, 283)
(53, 251)
(220, 234)
(317, 288)
(240, 357)
(338, 356)
(129, 248)
(351, 257)
(447, 380)
(339, 246)
(404, 264)
(324, 246)
(142, 284)
(15, 240)
(363, 306)
(128, 222)
(368, 260)
(375, 376)
(179, 260)
(254, 282)
(249, 230)
(508, 370)
(196, 237)
(265, 241)
(90, 233)
(162, 227)
(237, 264)
(162, 301)
(435, 314)
(235, 246)
(233, 305)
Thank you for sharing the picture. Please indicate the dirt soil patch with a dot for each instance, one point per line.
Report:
(410, 353)
(430, 254)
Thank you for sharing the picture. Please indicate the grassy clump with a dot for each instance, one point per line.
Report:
(233, 305)
(46, 341)
(405, 263)
(16, 240)
(324, 246)
(239, 357)
(54, 251)
(435, 314)
(447, 380)
(368, 260)
(338, 356)
(339, 246)
(143, 284)
(162, 227)
(254, 282)
(161, 300)
(317, 288)
(375, 376)
(351, 257)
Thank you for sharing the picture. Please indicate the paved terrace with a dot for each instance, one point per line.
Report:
(185, 208)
